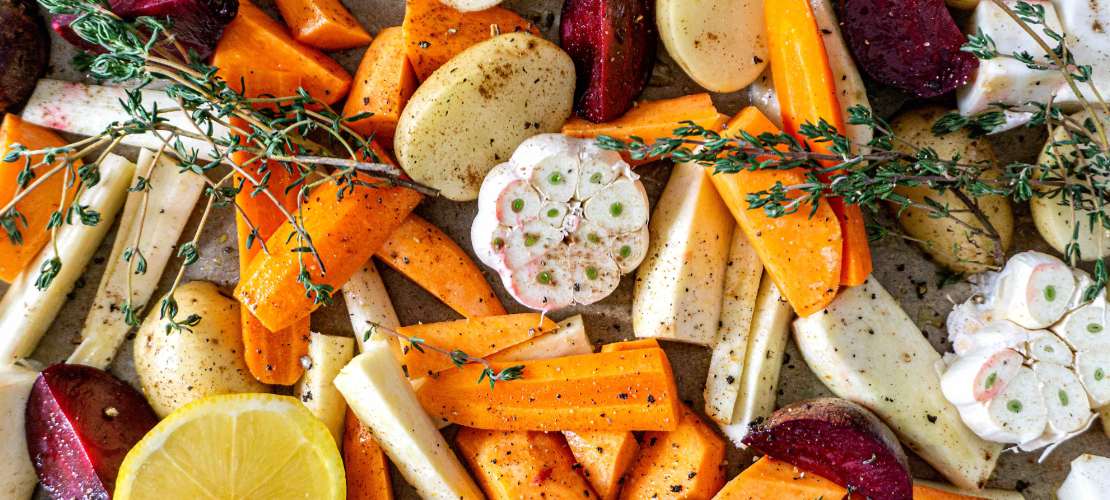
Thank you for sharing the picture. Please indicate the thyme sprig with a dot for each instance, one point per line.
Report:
(458, 358)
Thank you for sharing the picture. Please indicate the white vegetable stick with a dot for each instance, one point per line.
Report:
(172, 198)
(869, 351)
(91, 109)
(17, 472)
(1016, 415)
(1049, 348)
(383, 399)
(1089, 479)
(1033, 290)
(762, 95)
(1086, 328)
(316, 388)
(726, 367)
(759, 384)
(568, 340)
(988, 494)
(1093, 368)
(27, 312)
(368, 304)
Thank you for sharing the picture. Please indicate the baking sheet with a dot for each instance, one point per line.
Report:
(901, 268)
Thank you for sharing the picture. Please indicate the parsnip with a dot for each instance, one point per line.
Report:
(368, 304)
(171, 200)
(569, 340)
(27, 312)
(17, 473)
(1089, 479)
(865, 349)
(328, 355)
(382, 398)
(726, 367)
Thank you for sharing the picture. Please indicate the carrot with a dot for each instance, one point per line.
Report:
(607, 391)
(923, 492)
(365, 463)
(807, 93)
(324, 24)
(344, 232)
(477, 337)
(434, 261)
(801, 253)
(522, 465)
(605, 456)
(37, 207)
(434, 32)
(650, 121)
(630, 345)
(383, 85)
(770, 479)
(686, 463)
(254, 82)
(255, 40)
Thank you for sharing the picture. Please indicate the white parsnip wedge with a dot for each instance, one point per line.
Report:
(1089, 479)
(26, 312)
(172, 197)
(568, 340)
(726, 367)
(990, 494)
(368, 304)
(17, 473)
(759, 385)
(379, 394)
(681, 281)
(327, 355)
(865, 349)
(1034, 290)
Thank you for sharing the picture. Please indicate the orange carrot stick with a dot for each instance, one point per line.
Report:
(630, 345)
(606, 391)
(522, 465)
(686, 463)
(434, 32)
(605, 456)
(383, 85)
(807, 93)
(324, 24)
(770, 479)
(253, 39)
(344, 232)
(802, 253)
(365, 463)
(427, 256)
(477, 337)
(39, 204)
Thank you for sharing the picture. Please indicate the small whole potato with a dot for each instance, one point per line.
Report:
(948, 242)
(180, 367)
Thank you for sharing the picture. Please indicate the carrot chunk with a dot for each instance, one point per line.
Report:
(324, 24)
(477, 337)
(605, 456)
(365, 463)
(686, 463)
(383, 85)
(770, 479)
(630, 345)
(434, 32)
(522, 465)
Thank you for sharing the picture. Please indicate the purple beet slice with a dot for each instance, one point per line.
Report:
(197, 24)
(913, 45)
(612, 43)
(81, 422)
(840, 441)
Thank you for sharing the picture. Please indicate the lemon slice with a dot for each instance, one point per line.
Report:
(235, 447)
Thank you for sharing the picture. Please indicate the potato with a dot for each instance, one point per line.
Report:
(944, 239)
(1054, 221)
(182, 366)
(474, 111)
(470, 5)
(721, 45)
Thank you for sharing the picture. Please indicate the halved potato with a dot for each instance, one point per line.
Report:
(722, 45)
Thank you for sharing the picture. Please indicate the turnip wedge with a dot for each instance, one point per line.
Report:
(561, 221)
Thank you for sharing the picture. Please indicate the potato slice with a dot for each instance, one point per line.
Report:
(721, 45)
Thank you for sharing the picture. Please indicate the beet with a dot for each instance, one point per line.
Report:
(23, 52)
(612, 43)
(197, 24)
(910, 44)
(81, 422)
(840, 441)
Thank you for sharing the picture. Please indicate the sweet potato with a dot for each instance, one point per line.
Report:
(324, 24)
(365, 463)
(39, 204)
(838, 440)
(770, 479)
(522, 465)
(434, 32)
(24, 52)
(255, 40)
(605, 456)
(607, 391)
(383, 85)
(434, 261)
(686, 463)
(477, 337)
(630, 345)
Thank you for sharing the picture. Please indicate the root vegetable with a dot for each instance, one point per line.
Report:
(383, 85)
(365, 464)
(477, 337)
(522, 464)
(770, 479)
(568, 340)
(720, 45)
(17, 472)
(327, 355)
(1089, 479)
(197, 24)
(605, 456)
(324, 24)
(686, 463)
(435, 31)
(24, 53)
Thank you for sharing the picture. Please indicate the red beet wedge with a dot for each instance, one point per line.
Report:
(81, 422)
(910, 44)
(613, 44)
(197, 24)
(840, 441)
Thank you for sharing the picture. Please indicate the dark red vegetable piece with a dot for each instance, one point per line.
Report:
(913, 45)
(23, 52)
(612, 43)
(840, 441)
(197, 24)
(81, 422)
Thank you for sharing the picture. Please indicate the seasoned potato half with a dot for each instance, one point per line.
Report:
(721, 45)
